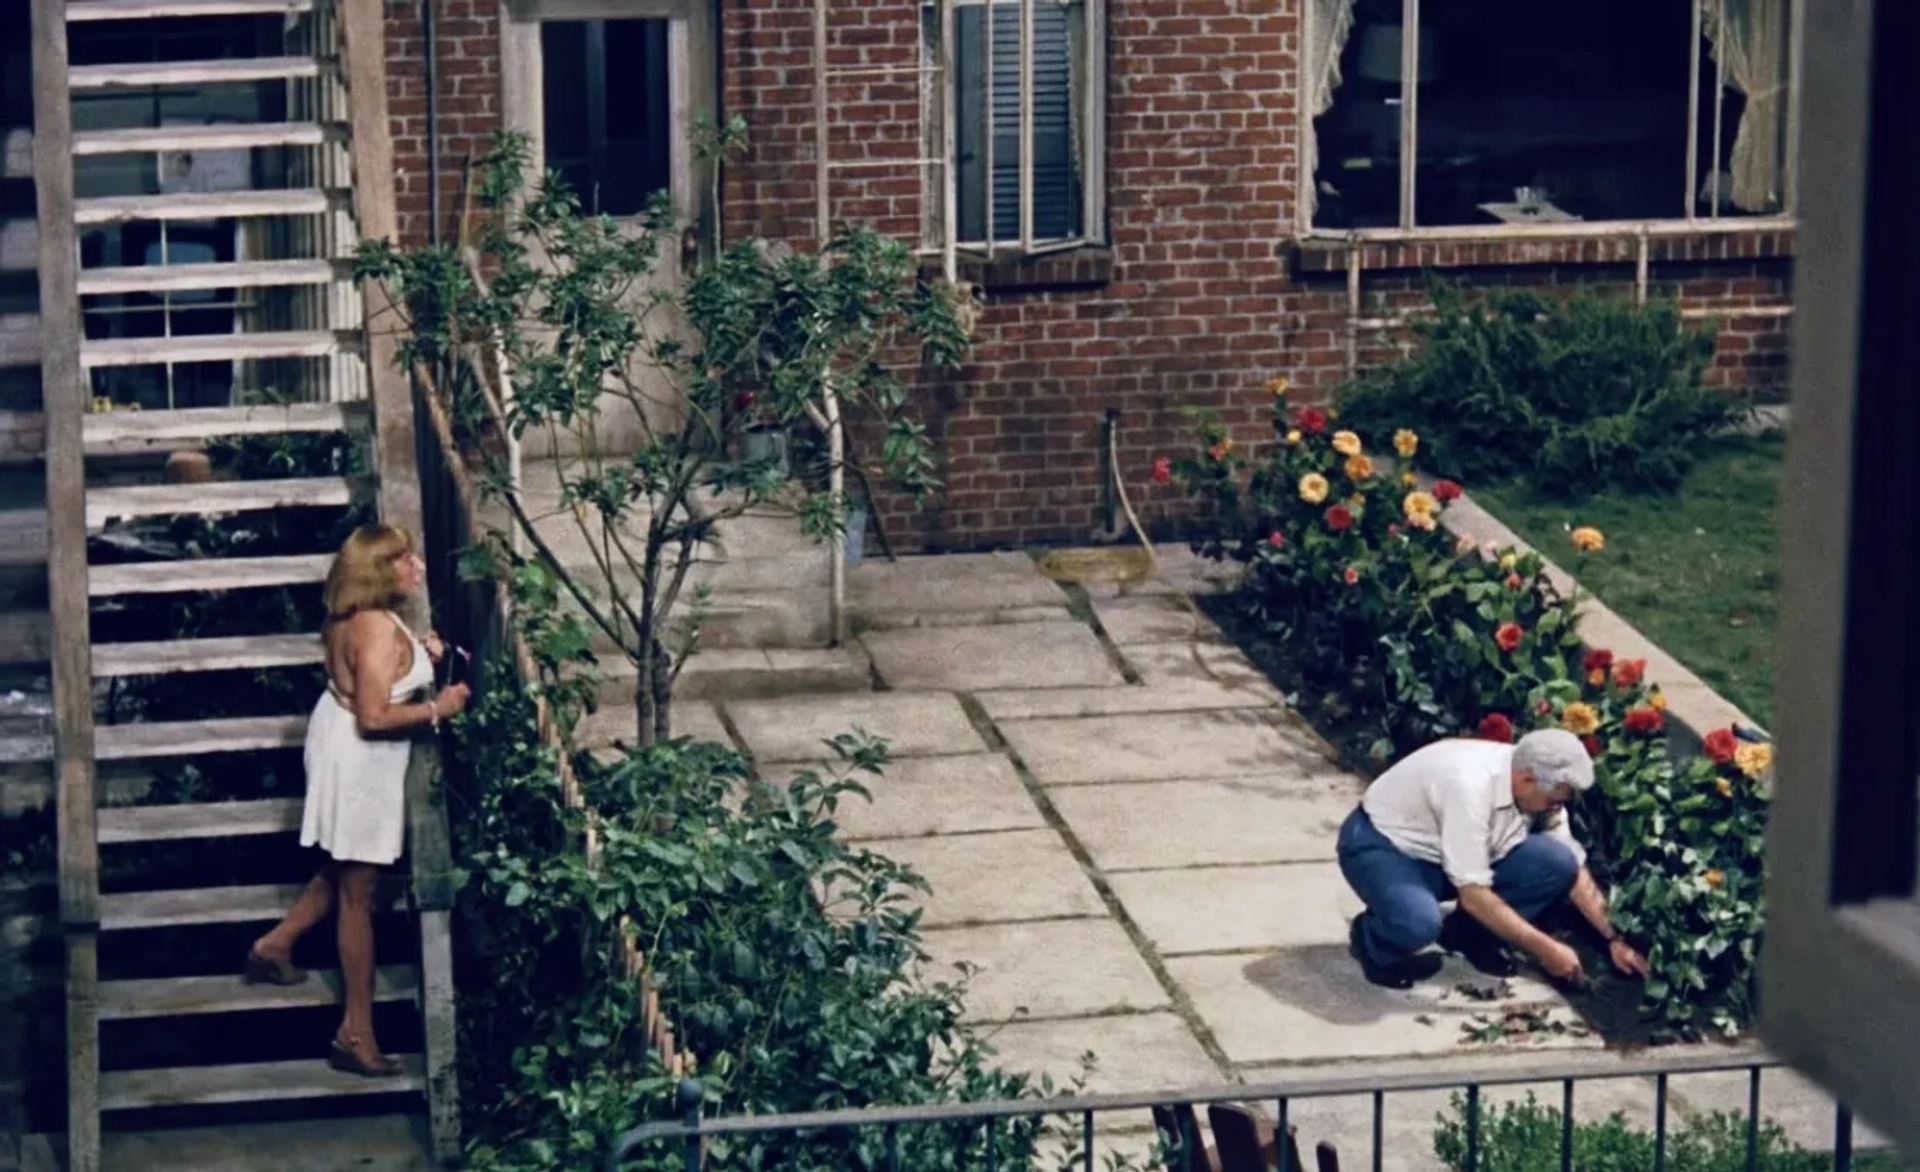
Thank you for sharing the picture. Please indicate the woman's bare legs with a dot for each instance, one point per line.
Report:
(316, 900)
(358, 885)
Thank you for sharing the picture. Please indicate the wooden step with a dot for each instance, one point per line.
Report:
(126, 432)
(218, 136)
(78, 10)
(121, 824)
(142, 75)
(201, 205)
(194, 738)
(192, 907)
(253, 1082)
(207, 574)
(214, 498)
(231, 653)
(102, 352)
(246, 274)
(188, 996)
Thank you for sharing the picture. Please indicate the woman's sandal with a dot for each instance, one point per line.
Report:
(345, 1056)
(263, 970)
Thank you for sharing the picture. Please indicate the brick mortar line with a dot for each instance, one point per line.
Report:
(1182, 1005)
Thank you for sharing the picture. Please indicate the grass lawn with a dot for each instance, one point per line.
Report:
(1697, 572)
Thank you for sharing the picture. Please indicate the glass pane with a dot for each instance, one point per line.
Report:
(605, 125)
(1742, 119)
(1354, 86)
(1058, 199)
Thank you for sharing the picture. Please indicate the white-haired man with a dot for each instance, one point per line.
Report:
(1484, 823)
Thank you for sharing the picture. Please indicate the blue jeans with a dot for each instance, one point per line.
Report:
(1403, 894)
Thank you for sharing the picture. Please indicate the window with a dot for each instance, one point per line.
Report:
(1023, 96)
(1841, 965)
(1489, 112)
(604, 122)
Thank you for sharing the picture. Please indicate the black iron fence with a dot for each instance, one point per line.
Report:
(1246, 1138)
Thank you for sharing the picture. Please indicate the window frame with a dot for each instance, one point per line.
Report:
(1786, 218)
(941, 187)
(1840, 968)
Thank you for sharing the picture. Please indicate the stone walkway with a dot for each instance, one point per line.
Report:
(1138, 853)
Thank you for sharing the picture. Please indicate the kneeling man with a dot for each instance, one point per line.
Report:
(1485, 823)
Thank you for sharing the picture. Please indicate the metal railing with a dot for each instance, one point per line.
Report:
(986, 1119)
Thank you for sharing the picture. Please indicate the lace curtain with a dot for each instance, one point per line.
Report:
(1750, 37)
(1328, 24)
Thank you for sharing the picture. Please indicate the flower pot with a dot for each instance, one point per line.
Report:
(765, 442)
(856, 543)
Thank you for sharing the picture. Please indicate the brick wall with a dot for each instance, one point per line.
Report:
(1201, 296)
(467, 33)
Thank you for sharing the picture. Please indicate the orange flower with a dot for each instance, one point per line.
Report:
(1714, 878)
(1657, 701)
(1753, 760)
(1352, 576)
(1508, 636)
(1580, 719)
(1359, 467)
(1628, 672)
(1724, 786)
(1278, 385)
(1346, 443)
(1514, 582)
(1406, 443)
(1587, 539)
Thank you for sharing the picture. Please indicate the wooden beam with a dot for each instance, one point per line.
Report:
(65, 396)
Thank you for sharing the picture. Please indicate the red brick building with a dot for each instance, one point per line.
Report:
(1188, 197)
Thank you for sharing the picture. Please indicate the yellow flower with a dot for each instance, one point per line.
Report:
(1509, 560)
(1409, 479)
(1359, 467)
(1753, 760)
(1346, 443)
(1724, 786)
(1278, 385)
(1657, 701)
(1419, 504)
(1313, 488)
(1580, 719)
(1293, 437)
(1406, 443)
(1424, 522)
(1596, 677)
(1587, 539)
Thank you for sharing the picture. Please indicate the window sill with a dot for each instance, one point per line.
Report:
(1568, 244)
(1087, 267)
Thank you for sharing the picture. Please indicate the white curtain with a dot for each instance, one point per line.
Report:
(1750, 37)
(1328, 23)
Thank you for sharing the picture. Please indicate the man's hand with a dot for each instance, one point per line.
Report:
(1562, 963)
(1627, 959)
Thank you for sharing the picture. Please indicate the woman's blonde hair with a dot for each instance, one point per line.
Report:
(364, 576)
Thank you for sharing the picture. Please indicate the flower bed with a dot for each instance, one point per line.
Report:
(1389, 633)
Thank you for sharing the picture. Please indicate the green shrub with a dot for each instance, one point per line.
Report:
(1569, 394)
(1389, 633)
(1525, 1137)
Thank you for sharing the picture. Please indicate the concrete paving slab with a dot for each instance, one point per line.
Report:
(915, 724)
(963, 582)
(1064, 968)
(918, 796)
(996, 878)
(1039, 703)
(1158, 746)
(1787, 1097)
(1311, 1004)
(616, 724)
(1225, 909)
(1061, 654)
(1158, 618)
(1134, 1052)
(1279, 818)
(1172, 666)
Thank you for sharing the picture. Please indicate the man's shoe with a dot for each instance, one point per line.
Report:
(1394, 976)
(1461, 933)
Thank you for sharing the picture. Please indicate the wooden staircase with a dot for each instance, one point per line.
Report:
(279, 185)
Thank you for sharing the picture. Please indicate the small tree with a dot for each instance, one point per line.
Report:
(570, 319)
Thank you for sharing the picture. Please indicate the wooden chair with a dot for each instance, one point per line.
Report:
(1246, 1142)
(1187, 1151)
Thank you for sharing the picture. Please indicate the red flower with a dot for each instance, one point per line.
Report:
(1393, 530)
(1313, 421)
(1495, 727)
(1446, 490)
(1628, 672)
(1543, 707)
(1515, 581)
(1351, 575)
(1339, 518)
(1162, 470)
(1720, 745)
(1594, 747)
(743, 400)
(1508, 636)
(1599, 659)
(1218, 451)
(1276, 539)
(1644, 720)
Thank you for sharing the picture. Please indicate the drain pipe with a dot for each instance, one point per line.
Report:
(429, 30)
(1109, 443)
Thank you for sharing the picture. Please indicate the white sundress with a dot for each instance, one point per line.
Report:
(356, 807)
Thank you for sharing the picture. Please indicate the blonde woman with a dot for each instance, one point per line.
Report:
(358, 741)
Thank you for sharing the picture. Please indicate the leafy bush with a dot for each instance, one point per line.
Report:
(1572, 395)
(1391, 633)
(1525, 1137)
(783, 955)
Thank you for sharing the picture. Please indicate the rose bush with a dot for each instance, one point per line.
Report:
(1391, 632)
